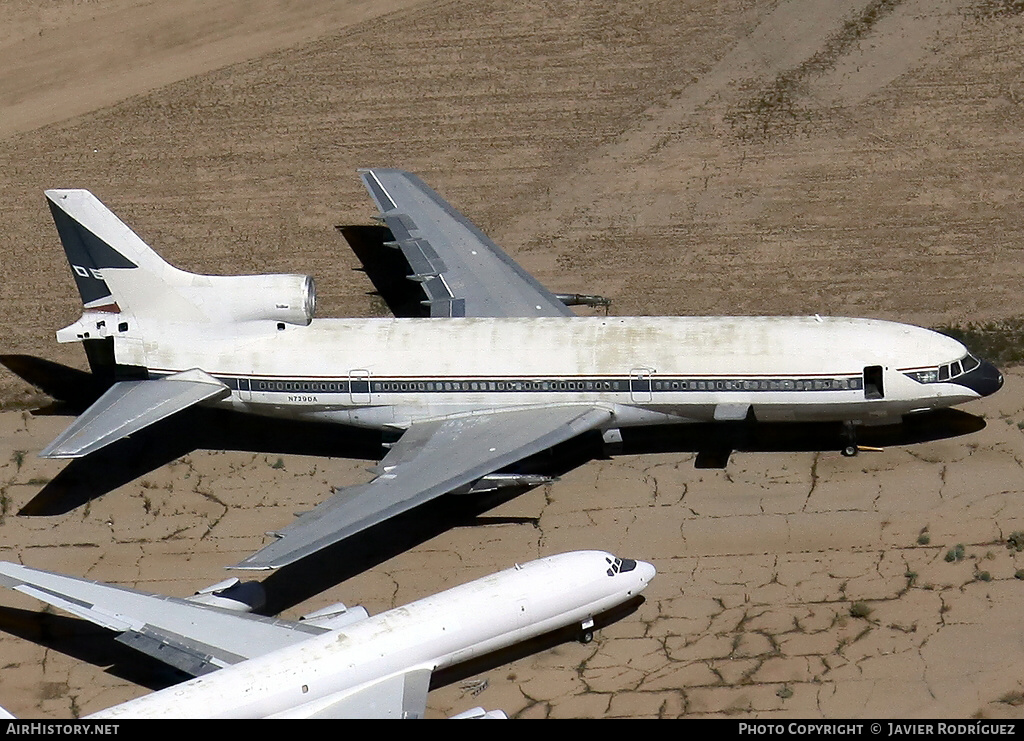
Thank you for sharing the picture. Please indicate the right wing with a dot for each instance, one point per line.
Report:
(462, 271)
(129, 406)
(430, 459)
(193, 637)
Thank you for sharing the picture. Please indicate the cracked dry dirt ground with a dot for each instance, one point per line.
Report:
(857, 157)
(795, 584)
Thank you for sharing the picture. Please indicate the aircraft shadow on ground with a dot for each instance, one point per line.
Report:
(99, 647)
(120, 463)
(83, 641)
(714, 443)
(84, 479)
(387, 269)
(297, 582)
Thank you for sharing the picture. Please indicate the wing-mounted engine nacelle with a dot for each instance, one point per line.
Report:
(280, 298)
(479, 714)
(583, 299)
(336, 616)
(494, 481)
(611, 440)
(232, 594)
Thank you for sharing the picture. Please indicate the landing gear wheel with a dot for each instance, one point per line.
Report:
(849, 440)
(586, 637)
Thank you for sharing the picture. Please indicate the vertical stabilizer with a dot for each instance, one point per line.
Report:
(115, 271)
(87, 253)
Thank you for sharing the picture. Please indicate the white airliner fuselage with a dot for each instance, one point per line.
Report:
(317, 677)
(648, 370)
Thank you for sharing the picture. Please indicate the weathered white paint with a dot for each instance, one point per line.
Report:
(567, 348)
(435, 632)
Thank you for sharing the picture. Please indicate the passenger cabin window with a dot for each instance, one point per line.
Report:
(873, 388)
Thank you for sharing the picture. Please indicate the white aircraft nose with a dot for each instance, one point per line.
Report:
(645, 571)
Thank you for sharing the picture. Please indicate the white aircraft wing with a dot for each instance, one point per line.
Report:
(129, 406)
(431, 459)
(193, 637)
(462, 271)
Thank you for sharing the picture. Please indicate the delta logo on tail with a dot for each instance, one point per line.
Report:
(88, 255)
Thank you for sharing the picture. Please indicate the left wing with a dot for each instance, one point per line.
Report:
(431, 458)
(462, 272)
(193, 637)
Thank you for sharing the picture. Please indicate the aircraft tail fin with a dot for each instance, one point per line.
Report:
(100, 248)
(118, 273)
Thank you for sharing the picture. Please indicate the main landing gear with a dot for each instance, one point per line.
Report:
(850, 448)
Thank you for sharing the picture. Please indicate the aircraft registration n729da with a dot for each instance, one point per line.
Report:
(502, 369)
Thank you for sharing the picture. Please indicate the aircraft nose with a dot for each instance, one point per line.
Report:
(984, 380)
(645, 571)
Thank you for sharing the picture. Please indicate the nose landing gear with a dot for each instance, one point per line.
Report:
(586, 632)
(849, 448)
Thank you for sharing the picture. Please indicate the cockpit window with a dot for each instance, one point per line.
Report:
(619, 565)
(946, 372)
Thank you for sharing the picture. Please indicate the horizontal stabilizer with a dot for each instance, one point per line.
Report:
(129, 406)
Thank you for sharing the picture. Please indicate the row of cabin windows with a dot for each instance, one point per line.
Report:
(498, 386)
(304, 386)
(723, 385)
(818, 384)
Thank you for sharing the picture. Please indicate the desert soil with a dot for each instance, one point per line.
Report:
(745, 157)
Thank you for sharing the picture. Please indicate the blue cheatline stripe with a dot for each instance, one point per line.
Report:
(435, 385)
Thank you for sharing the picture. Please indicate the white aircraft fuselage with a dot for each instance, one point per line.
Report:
(313, 678)
(382, 373)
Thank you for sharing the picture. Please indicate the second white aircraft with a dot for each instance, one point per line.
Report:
(338, 662)
(500, 371)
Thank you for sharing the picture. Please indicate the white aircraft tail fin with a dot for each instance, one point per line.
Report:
(100, 249)
(117, 273)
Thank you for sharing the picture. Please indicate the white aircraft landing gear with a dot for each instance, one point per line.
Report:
(586, 634)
